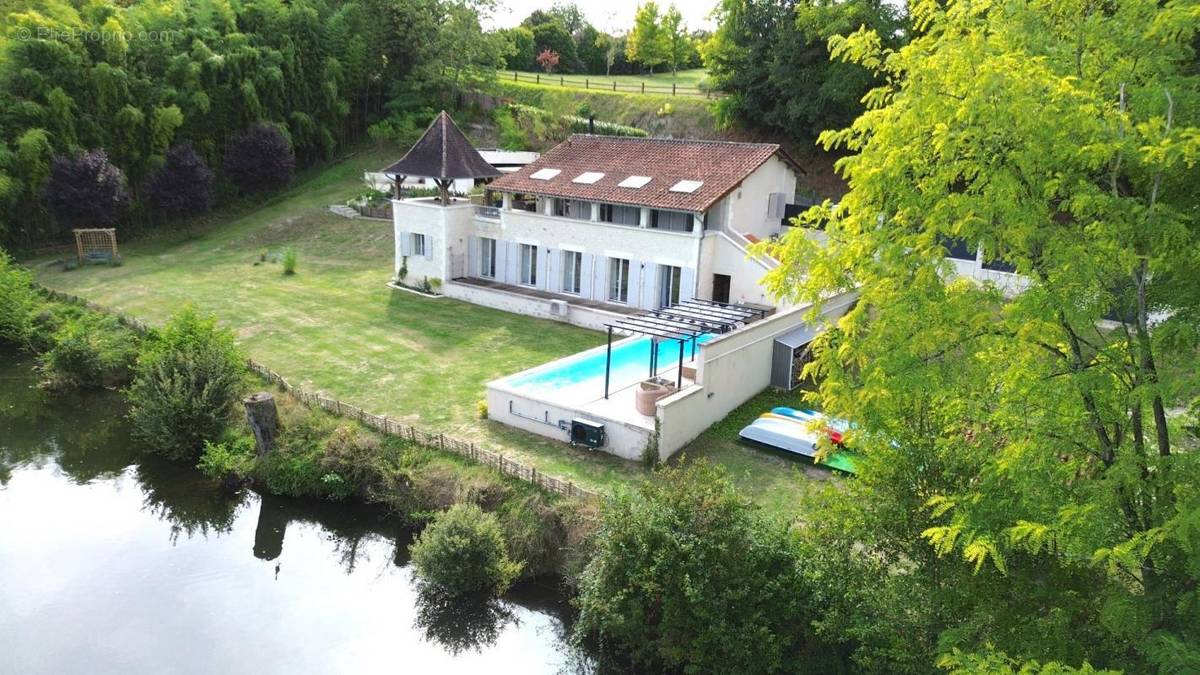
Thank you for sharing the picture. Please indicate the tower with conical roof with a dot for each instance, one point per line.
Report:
(443, 154)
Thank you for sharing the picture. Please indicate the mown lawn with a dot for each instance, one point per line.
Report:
(335, 327)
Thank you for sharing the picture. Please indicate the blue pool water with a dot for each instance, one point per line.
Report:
(630, 363)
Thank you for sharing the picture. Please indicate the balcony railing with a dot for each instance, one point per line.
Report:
(489, 212)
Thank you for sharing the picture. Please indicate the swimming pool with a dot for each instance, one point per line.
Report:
(630, 363)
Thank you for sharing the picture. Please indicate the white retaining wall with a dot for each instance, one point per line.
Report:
(731, 370)
(517, 303)
(624, 440)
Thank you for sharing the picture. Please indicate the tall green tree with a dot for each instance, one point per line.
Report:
(675, 35)
(1027, 472)
(647, 42)
(772, 61)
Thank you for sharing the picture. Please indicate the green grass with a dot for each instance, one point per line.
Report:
(335, 327)
(660, 82)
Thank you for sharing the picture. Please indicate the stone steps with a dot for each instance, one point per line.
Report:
(344, 211)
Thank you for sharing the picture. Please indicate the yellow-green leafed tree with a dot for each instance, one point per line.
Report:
(1034, 433)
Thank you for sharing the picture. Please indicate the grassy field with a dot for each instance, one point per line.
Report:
(685, 79)
(335, 327)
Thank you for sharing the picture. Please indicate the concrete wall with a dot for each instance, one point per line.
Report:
(720, 254)
(731, 369)
(515, 410)
(1008, 282)
(619, 241)
(646, 249)
(445, 229)
(748, 204)
(517, 303)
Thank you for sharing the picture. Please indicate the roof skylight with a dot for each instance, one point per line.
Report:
(545, 174)
(634, 182)
(687, 186)
(587, 177)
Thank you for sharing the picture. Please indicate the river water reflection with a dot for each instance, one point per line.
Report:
(114, 562)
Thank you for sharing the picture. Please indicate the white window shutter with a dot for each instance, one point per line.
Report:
(687, 283)
(600, 282)
(635, 283)
(405, 243)
(585, 275)
(428, 241)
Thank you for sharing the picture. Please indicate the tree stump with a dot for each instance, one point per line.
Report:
(263, 419)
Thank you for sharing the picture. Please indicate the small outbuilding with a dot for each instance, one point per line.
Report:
(442, 154)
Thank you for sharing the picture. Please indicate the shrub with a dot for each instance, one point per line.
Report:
(85, 190)
(186, 382)
(294, 468)
(182, 186)
(89, 349)
(534, 533)
(259, 158)
(463, 551)
(17, 301)
(232, 458)
(439, 484)
(686, 577)
(289, 260)
(481, 408)
(356, 458)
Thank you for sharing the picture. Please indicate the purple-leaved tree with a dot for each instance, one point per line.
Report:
(258, 159)
(182, 185)
(85, 190)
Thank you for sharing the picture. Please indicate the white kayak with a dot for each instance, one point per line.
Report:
(783, 434)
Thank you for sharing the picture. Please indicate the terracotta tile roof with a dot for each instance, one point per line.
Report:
(720, 167)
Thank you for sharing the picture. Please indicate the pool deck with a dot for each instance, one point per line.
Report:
(548, 412)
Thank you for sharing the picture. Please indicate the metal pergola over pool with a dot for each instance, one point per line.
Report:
(683, 322)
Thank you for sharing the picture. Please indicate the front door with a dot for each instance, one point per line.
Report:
(720, 291)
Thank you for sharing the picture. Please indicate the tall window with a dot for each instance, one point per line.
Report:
(669, 278)
(620, 215)
(676, 221)
(529, 256)
(418, 245)
(487, 258)
(572, 266)
(618, 280)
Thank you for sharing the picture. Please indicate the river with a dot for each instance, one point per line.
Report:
(115, 562)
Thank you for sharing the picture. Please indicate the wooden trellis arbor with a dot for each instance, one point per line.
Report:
(96, 245)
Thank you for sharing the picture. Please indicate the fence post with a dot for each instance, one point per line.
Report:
(587, 83)
(643, 87)
(539, 77)
(514, 76)
(614, 85)
(672, 88)
(561, 81)
(442, 442)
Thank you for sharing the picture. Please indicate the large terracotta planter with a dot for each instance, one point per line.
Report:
(647, 394)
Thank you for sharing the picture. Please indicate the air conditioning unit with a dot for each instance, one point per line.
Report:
(559, 307)
(587, 433)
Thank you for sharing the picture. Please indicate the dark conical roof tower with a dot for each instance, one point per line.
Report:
(444, 154)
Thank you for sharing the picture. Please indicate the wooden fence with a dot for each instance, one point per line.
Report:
(587, 84)
(380, 423)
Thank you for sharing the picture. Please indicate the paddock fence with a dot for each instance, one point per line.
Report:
(382, 423)
(586, 83)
